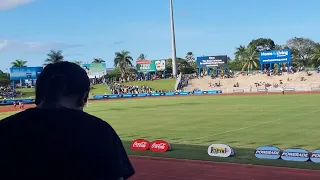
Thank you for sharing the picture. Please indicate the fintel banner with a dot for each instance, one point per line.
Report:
(220, 150)
(278, 56)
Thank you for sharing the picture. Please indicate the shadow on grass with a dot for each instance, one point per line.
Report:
(198, 152)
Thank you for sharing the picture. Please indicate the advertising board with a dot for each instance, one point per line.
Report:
(220, 150)
(139, 145)
(25, 73)
(267, 152)
(159, 146)
(151, 65)
(113, 96)
(212, 61)
(95, 69)
(295, 154)
(315, 156)
(276, 56)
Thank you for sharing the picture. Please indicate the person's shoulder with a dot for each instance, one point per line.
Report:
(18, 118)
(97, 122)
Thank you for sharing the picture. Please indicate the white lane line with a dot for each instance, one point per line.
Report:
(248, 127)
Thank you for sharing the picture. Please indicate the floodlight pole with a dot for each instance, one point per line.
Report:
(173, 42)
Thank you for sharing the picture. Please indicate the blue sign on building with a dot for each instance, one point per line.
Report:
(25, 73)
(275, 57)
(212, 61)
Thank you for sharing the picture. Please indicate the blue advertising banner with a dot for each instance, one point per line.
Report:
(113, 96)
(212, 61)
(142, 95)
(267, 152)
(278, 56)
(11, 101)
(315, 156)
(170, 94)
(25, 73)
(116, 96)
(295, 154)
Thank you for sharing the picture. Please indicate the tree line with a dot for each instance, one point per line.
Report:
(305, 52)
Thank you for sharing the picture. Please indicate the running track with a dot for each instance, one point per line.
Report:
(164, 168)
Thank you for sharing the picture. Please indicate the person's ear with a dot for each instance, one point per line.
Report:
(83, 100)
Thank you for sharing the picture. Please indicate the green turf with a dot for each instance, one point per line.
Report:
(27, 92)
(191, 124)
(99, 89)
(162, 84)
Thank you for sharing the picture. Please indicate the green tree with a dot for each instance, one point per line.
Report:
(239, 52)
(249, 59)
(142, 57)
(4, 79)
(190, 57)
(113, 75)
(279, 47)
(98, 60)
(315, 57)
(183, 66)
(123, 61)
(54, 57)
(302, 50)
(262, 44)
(235, 65)
(19, 63)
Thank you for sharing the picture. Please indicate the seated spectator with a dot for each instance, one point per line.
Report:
(57, 140)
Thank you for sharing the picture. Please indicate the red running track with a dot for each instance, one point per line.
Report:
(164, 168)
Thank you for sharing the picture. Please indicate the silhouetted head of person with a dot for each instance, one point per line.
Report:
(62, 85)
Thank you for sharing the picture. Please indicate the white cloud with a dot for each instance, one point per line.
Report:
(18, 46)
(9, 4)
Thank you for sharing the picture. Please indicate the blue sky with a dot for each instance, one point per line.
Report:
(84, 30)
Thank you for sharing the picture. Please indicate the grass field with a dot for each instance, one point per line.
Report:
(191, 124)
(162, 84)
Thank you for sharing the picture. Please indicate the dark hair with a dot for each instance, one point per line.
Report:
(61, 79)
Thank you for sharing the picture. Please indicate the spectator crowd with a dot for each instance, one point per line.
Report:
(118, 88)
(6, 92)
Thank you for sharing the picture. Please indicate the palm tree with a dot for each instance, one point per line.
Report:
(190, 57)
(54, 57)
(98, 60)
(239, 52)
(142, 57)
(249, 58)
(19, 63)
(123, 61)
(315, 57)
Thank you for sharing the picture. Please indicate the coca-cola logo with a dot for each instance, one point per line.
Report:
(159, 146)
(140, 145)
